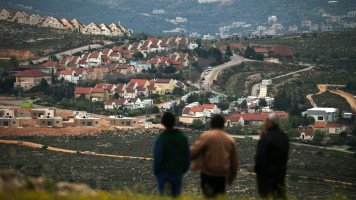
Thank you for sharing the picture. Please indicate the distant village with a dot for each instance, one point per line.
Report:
(114, 29)
(274, 26)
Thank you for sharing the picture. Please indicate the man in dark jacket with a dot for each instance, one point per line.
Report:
(271, 160)
(171, 157)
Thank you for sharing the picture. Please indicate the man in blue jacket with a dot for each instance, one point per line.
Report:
(171, 157)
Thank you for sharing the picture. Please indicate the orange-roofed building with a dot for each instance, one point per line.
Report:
(212, 108)
(322, 125)
(140, 82)
(262, 51)
(92, 94)
(283, 51)
(30, 78)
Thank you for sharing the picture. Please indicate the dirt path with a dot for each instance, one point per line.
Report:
(349, 98)
(334, 89)
(35, 145)
(310, 96)
(255, 88)
(331, 148)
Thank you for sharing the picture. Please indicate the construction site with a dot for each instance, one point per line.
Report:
(17, 121)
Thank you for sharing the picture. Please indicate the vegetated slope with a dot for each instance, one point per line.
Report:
(40, 41)
(117, 173)
(204, 18)
(328, 99)
(242, 77)
(314, 46)
(298, 87)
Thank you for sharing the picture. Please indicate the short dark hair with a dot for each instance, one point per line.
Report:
(217, 121)
(168, 120)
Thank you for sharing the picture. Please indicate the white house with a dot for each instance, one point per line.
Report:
(94, 59)
(67, 75)
(231, 121)
(323, 114)
(212, 109)
(106, 30)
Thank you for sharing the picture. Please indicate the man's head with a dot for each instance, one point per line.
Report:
(168, 120)
(272, 121)
(217, 122)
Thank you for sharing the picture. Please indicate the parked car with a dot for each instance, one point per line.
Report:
(206, 73)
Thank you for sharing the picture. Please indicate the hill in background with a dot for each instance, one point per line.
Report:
(202, 17)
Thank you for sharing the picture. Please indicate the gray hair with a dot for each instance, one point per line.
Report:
(273, 118)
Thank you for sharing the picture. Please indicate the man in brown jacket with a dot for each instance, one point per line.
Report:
(215, 155)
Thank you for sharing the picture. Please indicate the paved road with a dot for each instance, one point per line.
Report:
(254, 90)
(213, 74)
(71, 51)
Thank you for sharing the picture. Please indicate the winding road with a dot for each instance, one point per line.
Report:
(215, 71)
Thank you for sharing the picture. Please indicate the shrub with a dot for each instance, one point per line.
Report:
(293, 176)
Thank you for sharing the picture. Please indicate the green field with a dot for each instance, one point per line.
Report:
(120, 173)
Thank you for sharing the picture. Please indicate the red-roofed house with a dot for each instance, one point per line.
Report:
(117, 30)
(199, 111)
(186, 111)
(231, 121)
(164, 86)
(115, 56)
(33, 19)
(237, 46)
(49, 67)
(117, 48)
(262, 51)
(255, 119)
(92, 94)
(78, 26)
(67, 75)
(106, 30)
(336, 128)
(107, 51)
(212, 108)
(322, 125)
(94, 59)
(67, 24)
(30, 78)
(4, 14)
(306, 133)
(92, 29)
(283, 51)
(75, 75)
(140, 82)
(189, 114)
(19, 17)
